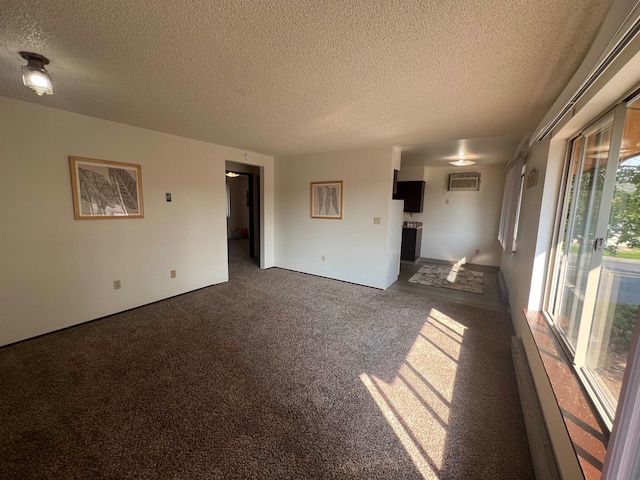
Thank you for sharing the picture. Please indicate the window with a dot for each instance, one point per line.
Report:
(596, 273)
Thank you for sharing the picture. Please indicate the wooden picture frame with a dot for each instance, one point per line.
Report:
(105, 190)
(326, 200)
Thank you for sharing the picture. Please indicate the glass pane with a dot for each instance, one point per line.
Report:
(618, 297)
(582, 232)
(561, 250)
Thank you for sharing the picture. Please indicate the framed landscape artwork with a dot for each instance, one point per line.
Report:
(106, 190)
(326, 200)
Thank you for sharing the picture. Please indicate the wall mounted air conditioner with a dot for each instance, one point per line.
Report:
(459, 182)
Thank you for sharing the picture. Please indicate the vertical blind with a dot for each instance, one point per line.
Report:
(513, 185)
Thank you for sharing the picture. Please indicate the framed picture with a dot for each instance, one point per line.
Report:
(103, 189)
(461, 182)
(532, 178)
(326, 200)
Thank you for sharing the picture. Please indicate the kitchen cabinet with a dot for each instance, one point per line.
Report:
(413, 195)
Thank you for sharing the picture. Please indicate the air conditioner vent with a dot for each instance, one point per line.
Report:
(463, 182)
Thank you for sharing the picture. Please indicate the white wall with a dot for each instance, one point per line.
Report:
(469, 220)
(355, 248)
(408, 174)
(518, 267)
(57, 271)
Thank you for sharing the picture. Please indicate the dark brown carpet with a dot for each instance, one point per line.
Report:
(274, 374)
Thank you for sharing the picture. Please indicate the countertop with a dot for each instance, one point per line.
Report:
(415, 225)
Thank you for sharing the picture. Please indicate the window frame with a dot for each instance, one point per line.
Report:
(553, 298)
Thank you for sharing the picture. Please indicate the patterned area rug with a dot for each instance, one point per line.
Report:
(445, 276)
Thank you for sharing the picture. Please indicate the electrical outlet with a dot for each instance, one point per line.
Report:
(323, 258)
(477, 251)
(117, 285)
(173, 274)
(376, 220)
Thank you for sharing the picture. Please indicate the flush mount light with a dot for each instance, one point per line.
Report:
(232, 174)
(461, 162)
(34, 74)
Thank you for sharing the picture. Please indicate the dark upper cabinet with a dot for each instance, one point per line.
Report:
(413, 195)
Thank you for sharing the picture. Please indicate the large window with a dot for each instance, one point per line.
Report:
(596, 282)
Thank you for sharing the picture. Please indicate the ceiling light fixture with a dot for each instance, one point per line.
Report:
(34, 74)
(232, 174)
(461, 162)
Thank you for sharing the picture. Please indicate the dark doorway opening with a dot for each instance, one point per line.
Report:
(243, 211)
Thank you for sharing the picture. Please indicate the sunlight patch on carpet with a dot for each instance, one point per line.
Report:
(417, 402)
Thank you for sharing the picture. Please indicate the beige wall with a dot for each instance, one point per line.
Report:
(355, 248)
(57, 271)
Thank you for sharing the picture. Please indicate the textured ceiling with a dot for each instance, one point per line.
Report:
(294, 77)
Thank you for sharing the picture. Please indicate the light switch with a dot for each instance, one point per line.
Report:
(376, 220)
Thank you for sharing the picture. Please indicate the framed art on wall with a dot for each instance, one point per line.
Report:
(326, 200)
(532, 178)
(106, 190)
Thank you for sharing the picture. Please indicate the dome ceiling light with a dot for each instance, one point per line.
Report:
(34, 75)
(462, 162)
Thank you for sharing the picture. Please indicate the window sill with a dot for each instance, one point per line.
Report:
(580, 417)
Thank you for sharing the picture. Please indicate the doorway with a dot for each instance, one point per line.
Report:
(243, 212)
